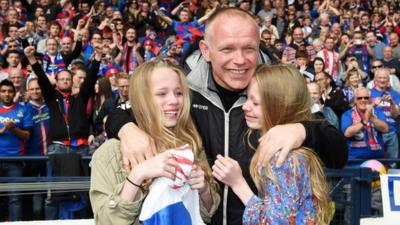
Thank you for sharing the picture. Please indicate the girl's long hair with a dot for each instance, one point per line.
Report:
(283, 91)
(149, 118)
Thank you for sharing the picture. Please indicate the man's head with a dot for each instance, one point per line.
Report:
(123, 86)
(394, 40)
(323, 80)
(64, 81)
(51, 46)
(361, 98)
(184, 15)
(33, 89)
(315, 91)
(231, 44)
(371, 38)
(55, 29)
(375, 65)
(13, 58)
(382, 79)
(66, 44)
(365, 20)
(387, 52)
(12, 16)
(329, 43)
(78, 77)
(7, 92)
(266, 37)
(358, 37)
(298, 35)
(130, 34)
(13, 32)
(16, 77)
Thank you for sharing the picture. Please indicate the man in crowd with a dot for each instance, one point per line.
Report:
(390, 62)
(331, 58)
(230, 54)
(289, 54)
(69, 124)
(385, 98)
(15, 128)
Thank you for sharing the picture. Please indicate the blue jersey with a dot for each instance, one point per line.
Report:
(10, 144)
(385, 105)
(358, 145)
(39, 141)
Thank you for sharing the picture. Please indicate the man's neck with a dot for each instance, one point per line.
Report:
(37, 102)
(7, 105)
(380, 89)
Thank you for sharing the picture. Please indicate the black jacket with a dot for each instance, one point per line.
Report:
(225, 133)
(76, 125)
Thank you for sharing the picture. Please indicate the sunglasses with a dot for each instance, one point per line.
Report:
(379, 66)
(363, 98)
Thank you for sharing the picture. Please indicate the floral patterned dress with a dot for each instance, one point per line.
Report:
(288, 200)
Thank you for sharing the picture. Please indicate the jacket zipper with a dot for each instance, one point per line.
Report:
(65, 120)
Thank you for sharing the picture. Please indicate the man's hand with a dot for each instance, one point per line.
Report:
(30, 54)
(281, 137)
(136, 145)
(9, 124)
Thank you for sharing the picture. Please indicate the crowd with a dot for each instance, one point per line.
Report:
(66, 68)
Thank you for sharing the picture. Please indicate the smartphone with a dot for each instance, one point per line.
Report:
(186, 4)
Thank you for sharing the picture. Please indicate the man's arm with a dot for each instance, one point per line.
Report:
(44, 83)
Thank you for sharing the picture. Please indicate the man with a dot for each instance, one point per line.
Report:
(393, 80)
(331, 58)
(37, 145)
(54, 32)
(390, 62)
(15, 128)
(17, 78)
(376, 45)
(68, 51)
(289, 54)
(231, 46)
(319, 109)
(394, 43)
(363, 126)
(266, 10)
(385, 98)
(331, 96)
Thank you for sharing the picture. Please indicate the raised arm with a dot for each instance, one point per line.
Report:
(44, 83)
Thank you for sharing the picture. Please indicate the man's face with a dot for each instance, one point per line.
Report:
(130, 35)
(54, 30)
(51, 46)
(329, 44)
(184, 16)
(85, 8)
(381, 79)
(123, 87)
(298, 35)
(4, 4)
(375, 66)
(66, 44)
(266, 38)
(64, 81)
(361, 100)
(12, 16)
(394, 40)
(13, 59)
(13, 33)
(322, 81)
(371, 39)
(34, 91)
(387, 52)
(16, 77)
(315, 92)
(365, 20)
(78, 78)
(7, 94)
(232, 50)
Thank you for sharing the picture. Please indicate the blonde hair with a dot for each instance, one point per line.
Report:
(350, 73)
(149, 119)
(289, 102)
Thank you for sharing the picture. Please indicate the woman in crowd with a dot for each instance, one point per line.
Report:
(160, 94)
(351, 82)
(296, 192)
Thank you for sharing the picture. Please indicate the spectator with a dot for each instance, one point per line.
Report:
(386, 99)
(69, 123)
(318, 109)
(289, 53)
(331, 59)
(15, 127)
(389, 62)
(331, 96)
(18, 80)
(351, 83)
(37, 145)
(393, 80)
(363, 126)
(394, 43)
(130, 57)
(376, 45)
(360, 50)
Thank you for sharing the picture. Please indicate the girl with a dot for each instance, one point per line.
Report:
(296, 192)
(159, 95)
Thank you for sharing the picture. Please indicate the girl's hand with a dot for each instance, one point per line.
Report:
(228, 171)
(197, 179)
(161, 165)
